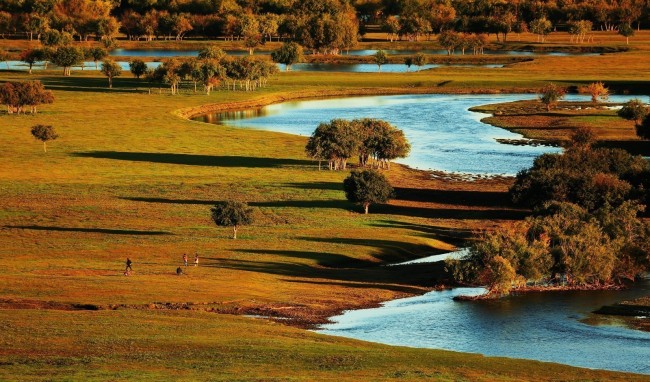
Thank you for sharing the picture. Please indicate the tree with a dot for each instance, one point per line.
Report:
(211, 53)
(381, 58)
(288, 54)
(633, 110)
(626, 31)
(111, 69)
(335, 142)
(597, 90)
(232, 214)
(541, 27)
(420, 60)
(30, 57)
(44, 133)
(97, 54)
(408, 61)
(449, 40)
(66, 57)
(550, 94)
(643, 129)
(367, 187)
(138, 68)
(17, 95)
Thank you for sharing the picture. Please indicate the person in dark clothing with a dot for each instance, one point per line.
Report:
(128, 265)
(179, 271)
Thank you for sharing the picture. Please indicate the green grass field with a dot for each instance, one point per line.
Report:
(130, 177)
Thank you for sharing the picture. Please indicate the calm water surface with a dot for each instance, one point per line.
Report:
(354, 52)
(443, 133)
(539, 326)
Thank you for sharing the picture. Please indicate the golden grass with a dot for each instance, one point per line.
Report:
(129, 177)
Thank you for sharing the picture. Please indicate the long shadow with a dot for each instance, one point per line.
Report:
(398, 278)
(430, 213)
(195, 160)
(90, 230)
(93, 84)
(448, 213)
(455, 236)
(633, 147)
(324, 259)
(333, 186)
(388, 251)
(465, 198)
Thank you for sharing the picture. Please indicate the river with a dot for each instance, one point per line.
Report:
(444, 134)
(538, 326)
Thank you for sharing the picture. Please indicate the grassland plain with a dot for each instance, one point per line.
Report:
(130, 177)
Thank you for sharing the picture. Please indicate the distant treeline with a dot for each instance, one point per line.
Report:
(324, 25)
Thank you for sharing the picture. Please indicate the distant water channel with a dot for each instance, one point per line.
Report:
(537, 326)
(443, 133)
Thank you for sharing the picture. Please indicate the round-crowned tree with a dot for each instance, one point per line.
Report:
(288, 54)
(367, 187)
(111, 69)
(633, 110)
(381, 58)
(232, 214)
(550, 95)
(44, 133)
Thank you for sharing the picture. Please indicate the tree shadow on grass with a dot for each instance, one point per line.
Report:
(387, 251)
(455, 236)
(633, 147)
(333, 186)
(421, 212)
(324, 259)
(398, 278)
(90, 230)
(93, 84)
(465, 198)
(195, 160)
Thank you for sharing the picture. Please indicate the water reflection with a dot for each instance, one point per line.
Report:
(218, 118)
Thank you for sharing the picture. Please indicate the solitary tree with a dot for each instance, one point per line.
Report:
(408, 61)
(288, 54)
(381, 58)
(634, 110)
(367, 187)
(626, 31)
(420, 60)
(66, 57)
(44, 133)
(597, 90)
(111, 69)
(30, 57)
(97, 54)
(232, 214)
(550, 94)
(138, 68)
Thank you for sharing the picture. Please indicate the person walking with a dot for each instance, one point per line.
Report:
(185, 259)
(196, 259)
(128, 267)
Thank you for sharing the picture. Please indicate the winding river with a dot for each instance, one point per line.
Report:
(444, 134)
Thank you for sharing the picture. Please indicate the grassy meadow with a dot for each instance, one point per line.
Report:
(130, 177)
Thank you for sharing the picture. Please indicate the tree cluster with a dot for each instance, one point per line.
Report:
(211, 68)
(376, 143)
(328, 26)
(637, 111)
(19, 96)
(585, 230)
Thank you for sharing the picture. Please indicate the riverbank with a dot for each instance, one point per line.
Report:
(636, 312)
